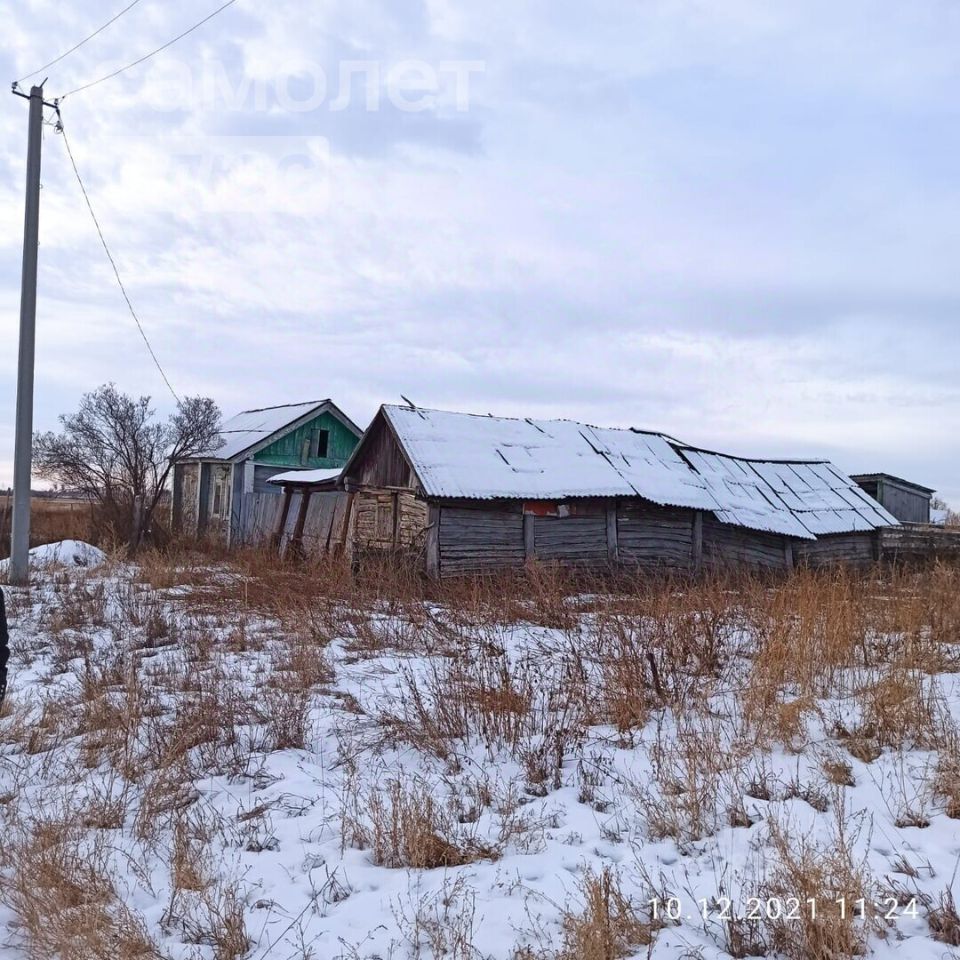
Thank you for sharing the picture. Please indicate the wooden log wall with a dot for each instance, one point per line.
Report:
(388, 519)
(850, 549)
(578, 540)
(480, 539)
(468, 537)
(726, 546)
(651, 536)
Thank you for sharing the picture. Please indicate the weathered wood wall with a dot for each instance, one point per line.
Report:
(467, 537)
(381, 463)
(726, 546)
(388, 520)
(652, 536)
(920, 543)
(857, 550)
(186, 481)
(259, 516)
(904, 501)
(481, 538)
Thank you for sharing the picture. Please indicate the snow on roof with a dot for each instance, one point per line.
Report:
(460, 455)
(797, 498)
(305, 476)
(465, 455)
(249, 427)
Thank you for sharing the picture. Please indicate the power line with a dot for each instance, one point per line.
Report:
(152, 53)
(116, 273)
(80, 44)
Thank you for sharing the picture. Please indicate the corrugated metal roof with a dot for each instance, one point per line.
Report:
(791, 497)
(477, 457)
(249, 427)
(459, 455)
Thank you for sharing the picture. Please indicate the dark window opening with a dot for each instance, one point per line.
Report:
(321, 443)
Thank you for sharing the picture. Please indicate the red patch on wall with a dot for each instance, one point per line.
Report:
(541, 508)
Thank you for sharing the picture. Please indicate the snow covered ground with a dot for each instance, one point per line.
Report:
(185, 777)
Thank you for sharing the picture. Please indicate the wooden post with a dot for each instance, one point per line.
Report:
(788, 554)
(278, 534)
(433, 541)
(697, 545)
(295, 539)
(529, 537)
(613, 546)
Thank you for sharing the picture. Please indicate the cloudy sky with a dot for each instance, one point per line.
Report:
(737, 222)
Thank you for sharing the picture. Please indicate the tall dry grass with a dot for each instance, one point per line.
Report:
(147, 689)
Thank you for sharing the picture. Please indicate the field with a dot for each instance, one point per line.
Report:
(205, 758)
(50, 520)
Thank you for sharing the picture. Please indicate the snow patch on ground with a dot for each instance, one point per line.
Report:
(66, 553)
(279, 816)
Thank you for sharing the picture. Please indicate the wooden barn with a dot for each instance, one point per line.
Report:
(470, 494)
(225, 492)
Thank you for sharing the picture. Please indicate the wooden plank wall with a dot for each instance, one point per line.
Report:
(851, 549)
(324, 523)
(388, 521)
(467, 537)
(259, 517)
(478, 540)
(726, 546)
(577, 540)
(651, 536)
(920, 543)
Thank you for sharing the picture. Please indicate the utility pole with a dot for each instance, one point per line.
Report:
(22, 456)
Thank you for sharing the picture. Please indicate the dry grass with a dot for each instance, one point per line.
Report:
(608, 926)
(50, 520)
(835, 881)
(403, 824)
(193, 668)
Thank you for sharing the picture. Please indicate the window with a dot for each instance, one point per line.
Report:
(320, 443)
(219, 497)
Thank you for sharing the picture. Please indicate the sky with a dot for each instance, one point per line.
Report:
(735, 222)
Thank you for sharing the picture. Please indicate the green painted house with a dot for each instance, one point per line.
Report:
(225, 491)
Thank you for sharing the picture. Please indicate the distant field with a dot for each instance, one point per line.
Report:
(49, 520)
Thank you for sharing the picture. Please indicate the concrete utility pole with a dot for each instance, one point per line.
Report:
(22, 457)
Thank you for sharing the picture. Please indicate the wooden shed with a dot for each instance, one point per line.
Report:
(909, 502)
(470, 494)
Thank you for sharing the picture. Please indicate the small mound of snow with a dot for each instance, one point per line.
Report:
(66, 553)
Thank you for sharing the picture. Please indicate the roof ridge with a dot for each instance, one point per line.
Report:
(283, 406)
(531, 420)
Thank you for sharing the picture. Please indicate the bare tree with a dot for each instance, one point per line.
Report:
(115, 451)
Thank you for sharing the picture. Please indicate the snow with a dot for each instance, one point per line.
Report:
(250, 427)
(69, 553)
(277, 816)
(464, 455)
(305, 476)
(939, 517)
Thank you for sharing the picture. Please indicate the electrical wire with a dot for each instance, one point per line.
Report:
(152, 53)
(67, 53)
(113, 264)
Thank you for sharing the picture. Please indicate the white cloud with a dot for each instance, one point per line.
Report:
(732, 222)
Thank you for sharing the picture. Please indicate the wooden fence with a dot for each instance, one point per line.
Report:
(920, 542)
